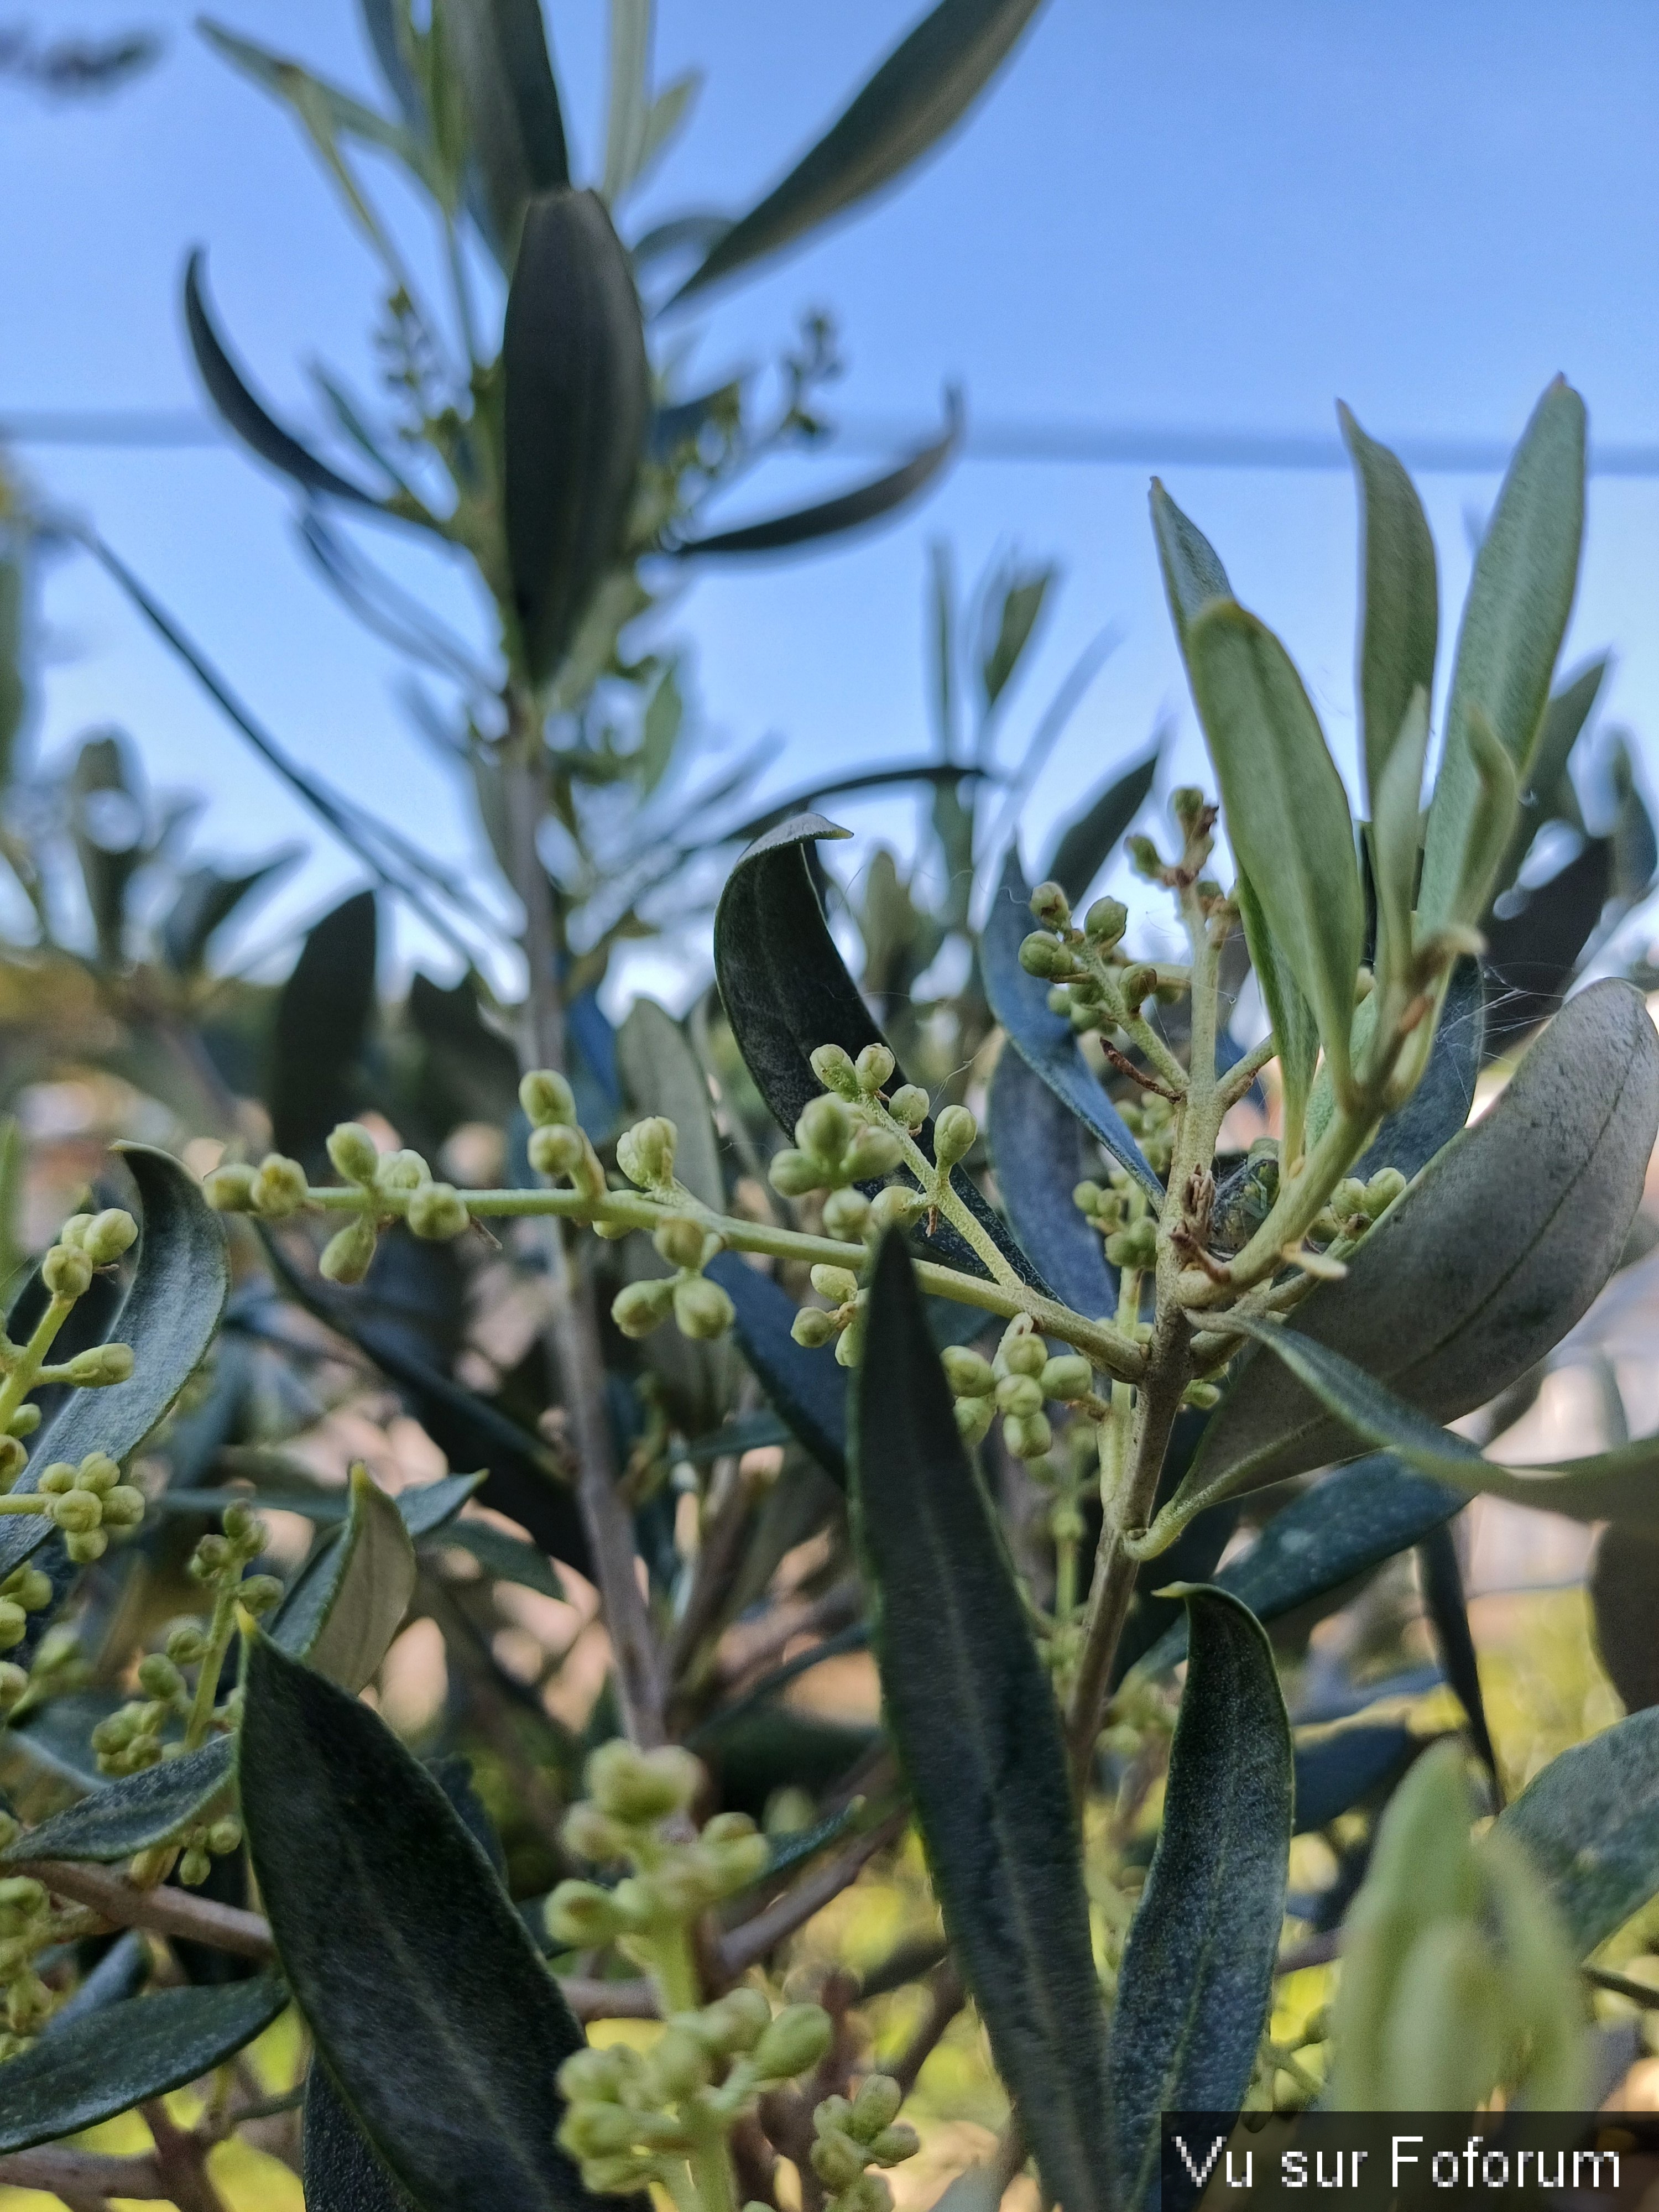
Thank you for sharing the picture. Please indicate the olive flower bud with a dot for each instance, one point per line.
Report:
(701, 1309)
(12, 1683)
(873, 1152)
(354, 1151)
(642, 1306)
(873, 1068)
(556, 1148)
(1144, 857)
(875, 2107)
(837, 2161)
(1051, 906)
(87, 1545)
(230, 1189)
(279, 1187)
(224, 1835)
(1019, 1395)
(437, 1212)
(974, 1418)
(77, 1512)
(792, 2042)
(895, 1207)
(836, 1284)
(258, 1593)
(66, 1271)
(845, 1214)
(1138, 985)
(1046, 957)
(969, 1373)
(645, 1153)
(402, 1172)
(24, 1422)
(1065, 1378)
(676, 2064)
(13, 1460)
(823, 1129)
(953, 1135)
(29, 1588)
(833, 1067)
(108, 1235)
(124, 1507)
(737, 2021)
(13, 1624)
(348, 1254)
(1105, 922)
(908, 1105)
(546, 1098)
(637, 1786)
(53, 1480)
(811, 1327)
(1023, 1354)
(158, 1677)
(98, 1473)
(1027, 1437)
(186, 1646)
(579, 1914)
(593, 1835)
(890, 2145)
(681, 1242)
(104, 1364)
(794, 1174)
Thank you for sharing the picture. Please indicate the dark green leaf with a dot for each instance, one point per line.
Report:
(680, 233)
(1533, 954)
(381, 21)
(786, 990)
(126, 2054)
(1088, 840)
(807, 1389)
(1401, 593)
(1513, 621)
(498, 51)
(1590, 1823)
(1442, 1580)
(1039, 1156)
(661, 1075)
(245, 414)
(134, 1812)
(206, 902)
(427, 1507)
(971, 1712)
(426, 1995)
(342, 2173)
(1024, 595)
(1285, 809)
(469, 1072)
(1549, 794)
(1439, 1107)
(848, 510)
(1338, 1767)
(924, 87)
(577, 403)
(109, 845)
(1046, 1041)
(321, 1030)
(1635, 842)
(1195, 1986)
(169, 1316)
(1486, 1262)
(349, 1601)
(1193, 575)
(1624, 1588)
(508, 1558)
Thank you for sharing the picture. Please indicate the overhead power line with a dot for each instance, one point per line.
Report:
(989, 438)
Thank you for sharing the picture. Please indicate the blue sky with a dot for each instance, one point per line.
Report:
(1216, 216)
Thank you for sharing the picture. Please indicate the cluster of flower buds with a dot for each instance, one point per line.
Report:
(560, 1147)
(636, 1800)
(837, 1144)
(1092, 983)
(26, 1590)
(86, 1243)
(701, 1309)
(25, 1931)
(394, 1186)
(1354, 1206)
(851, 2136)
(841, 1322)
(632, 2117)
(90, 1504)
(1017, 1383)
(204, 1843)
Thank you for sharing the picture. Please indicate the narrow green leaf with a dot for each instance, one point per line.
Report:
(626, 109)
(1402, 595)
(1087, 842)
(1335, 1771)
(1023, 598)
(1411, 1137)
(924, 87)
(322, 1029)
(429, 2004)
(807, 1390)
(1484, 1265)
(666, 118)
(168, 1316)
(577, 403)
(1296, 1032)
(1286, 809)
(132, 1812)
(1623, 1589)
(848, 510)
(350, 1600)
(1196, 1987)
(786, 991)
(306, 93)
(1549, 794)
(1513, 620)
(1040, 1154)
(971, 1713)
(1192, 574)
(1397, 836)
(342, 2172)
(1590, 1823)
(1441, 1579)
(253, 424)
(661, 1075)
(127, 2053)
(498, 51)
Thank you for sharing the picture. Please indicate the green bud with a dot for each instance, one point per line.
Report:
(737, 2021)
(637, 1786)
(875, 2107)
(953, 1135)
(14, 1624)
(1105, 922)
(795, 1175)
(893, 2144)
(98, 1473)
(974, 1418)
(837, 2161)
(908, 1105)
(29, 1588)
(593, 2131)
(279, 1187)
(1381, 1191)
(734, 1865)
(1043, 956)
(701, 1309)
(28, 2005)
(12, 1683)
(872, 1068)
(1135, 1247)
(21, 1898)
(970, 1374)
(230, 1189)
(56, 1479)
(580, 1915)
(66, 1271)
(76, 1512)
(792, 2042)
(13, 1460)
(896, 1207)
(1138, 985)
(186, 1646)
(823, 1129)
(641, 1307)
(681, 1242)
(1020, 1395)
(602, 2076)
(402, 1172)
(438, 1211)
(259, 1593)
(1202, 1395)
(24, 1422)
(1065, 1378)
(211, 1557)
(1027, 1437)
(593, 1835)
(811, 1328)
(618, 2177)
(1144, 857)
(87, 1545)
(103, 1364)
(834, 1068)
(873, 1152)
(1023, 1354)
(846, 1214)
(556, 1148)
(645, 1153)
(676, 2065)
(194, 1868)
(849, 1344)
(158, 1677)
(349, 1254)
(546, 1098)
(244, 1526)
(108, 1235)
(74, 1230)
(354, 1151)
(1051, 906)
(840, 1286)
(1187, 804)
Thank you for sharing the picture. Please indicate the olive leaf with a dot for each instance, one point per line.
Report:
(1038, 1155)
(498, 51)
(847, 510)
(786, 991)
(1088, 841)
(1590, 1822)
(1045, 1040)
(427, 1997)
(127, 2053)
(807, 1389)
(1286, 810)
(1192, 574)
(1337, 1768)
(324, 1014)
(169, 1316)
(1409, 1138)
(1295, 1030)
(1400, 586)
(923, 87)
(1548, 791)
(342, 2172)
(661, 1075)
(349, 1600)
(205, 903)
(1624, 1590)
(1513, 622)
(1487, 1261)
(576, 403)
(972, 1713)
(1195, 1986)
(253, 424)
(130, 1814)
(1440, 1578)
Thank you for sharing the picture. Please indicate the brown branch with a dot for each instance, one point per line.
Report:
(747, 1647)
(717, 1560)
(165, 1911)
(181, 2162)
(91, 2176)
(591, 1999)
(750, 1942)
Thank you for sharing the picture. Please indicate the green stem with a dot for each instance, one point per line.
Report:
(25, 1371)
(223, 1628)
(30, 1502)
(936, 1186)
